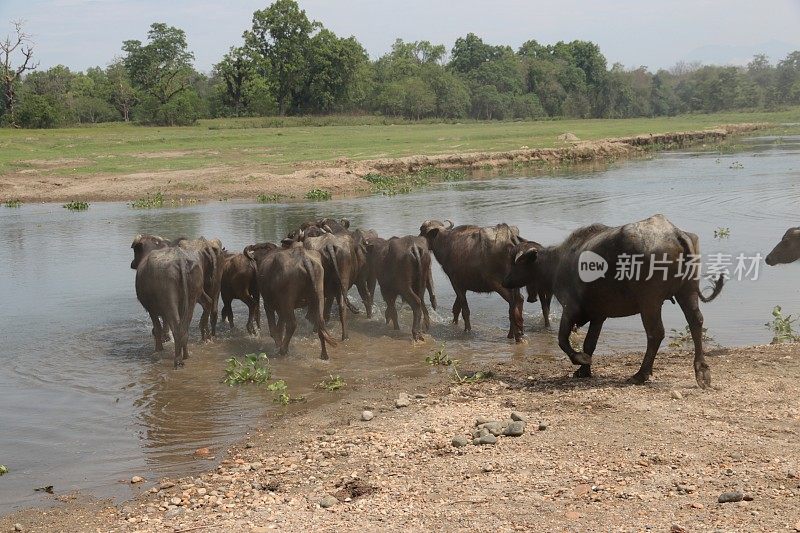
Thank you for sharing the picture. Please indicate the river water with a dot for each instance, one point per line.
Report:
(85, 405)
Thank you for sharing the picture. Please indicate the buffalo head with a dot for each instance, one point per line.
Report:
(522, 272)
(786, 251)
(143, 245)
(431, 228)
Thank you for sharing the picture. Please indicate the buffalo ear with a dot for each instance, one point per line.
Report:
(286, 243)
(345, 222)
(525, 256)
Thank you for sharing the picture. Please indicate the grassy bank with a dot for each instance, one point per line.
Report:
(118, 149)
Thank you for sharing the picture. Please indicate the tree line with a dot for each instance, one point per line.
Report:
(288, 64)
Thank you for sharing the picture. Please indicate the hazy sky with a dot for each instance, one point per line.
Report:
(83, 33)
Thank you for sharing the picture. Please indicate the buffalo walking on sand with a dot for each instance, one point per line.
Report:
(665, 250)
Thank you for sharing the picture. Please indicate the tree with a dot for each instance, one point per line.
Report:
(235, 70)
(334, 65)
(281, 35)
(123, 96)
(19, 44)
(163, 67)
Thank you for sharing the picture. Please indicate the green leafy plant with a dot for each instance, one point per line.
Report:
(681, 337)
(781, 327)
(318, 194)
(268, 198)
(440, 358)
(332, 383)
(76, 206)
(3, 470)
(252, 368)
(150, 201)
(13, 203)
(282, 393)
(474, 377)
(722, 233)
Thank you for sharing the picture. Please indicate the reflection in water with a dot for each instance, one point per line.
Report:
(83, 403)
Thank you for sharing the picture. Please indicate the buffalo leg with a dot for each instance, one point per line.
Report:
(545, 299)
(461, 305)
(326, 311)
(165, 335)
(391, 309)
(227, 311)
(431, 294)
(416, 308)
(691, 310)
(273, 329)
(158, 332)
(252, 312)
(568, 321)
(291, 325)
(366, 296)
(654, 327)
(206, 303)
(514, 299)
(589, 345)
(341, 303)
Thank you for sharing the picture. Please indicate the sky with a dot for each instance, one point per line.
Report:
(85, 33)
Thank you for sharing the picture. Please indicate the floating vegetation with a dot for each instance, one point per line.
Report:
(76, 206)
(318, 194)
(150, 201)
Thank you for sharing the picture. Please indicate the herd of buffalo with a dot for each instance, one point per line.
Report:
(323, 259)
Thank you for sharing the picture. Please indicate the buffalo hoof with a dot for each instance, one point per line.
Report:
(580, 358)
(703, 377)
(638, 378)
(583, 372)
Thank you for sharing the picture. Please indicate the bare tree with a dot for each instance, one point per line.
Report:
(18, 44)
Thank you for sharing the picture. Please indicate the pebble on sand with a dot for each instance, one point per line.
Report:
(729, 497)
(459, 441)
(137, 479)
(676, 395)
(366, 416)
(402, 401)
(328, 501)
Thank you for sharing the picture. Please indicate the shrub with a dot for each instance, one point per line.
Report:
(319, 194)
(76, 206)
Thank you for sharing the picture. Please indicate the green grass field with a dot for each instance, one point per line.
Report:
(278, 145)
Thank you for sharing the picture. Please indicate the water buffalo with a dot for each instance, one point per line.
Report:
(290, 279)
(476, 259)
(239, 281)
(402, 266)
(210, 255)
(169, 282)
(666, 273)
(787, 250)
(350, 266)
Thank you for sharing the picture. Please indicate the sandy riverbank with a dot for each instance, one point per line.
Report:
(612, 457)
(342, 176)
